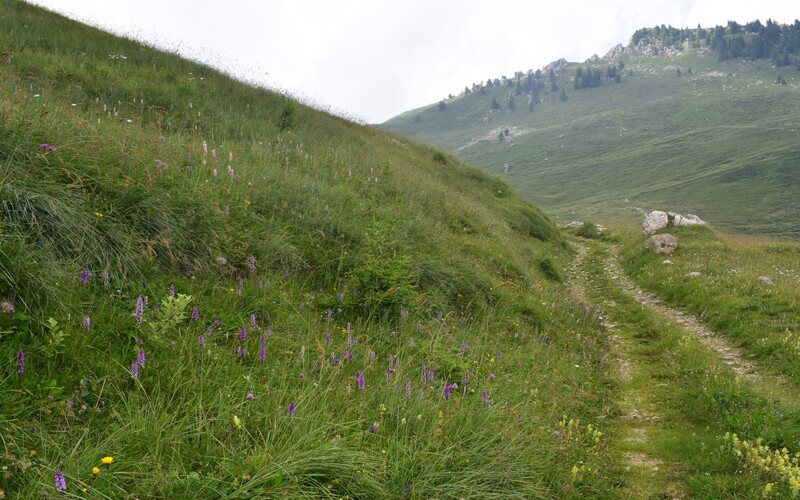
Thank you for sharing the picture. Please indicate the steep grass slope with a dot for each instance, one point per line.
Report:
(682, 132)
(210, 290)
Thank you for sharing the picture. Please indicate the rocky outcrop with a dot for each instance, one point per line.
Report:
(657, 219)
(662, 243)
(557, 66)
(688, 220)
(654, 221)
(612, 55)
(592, 60)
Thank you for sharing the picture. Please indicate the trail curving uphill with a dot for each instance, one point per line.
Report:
(771, 385)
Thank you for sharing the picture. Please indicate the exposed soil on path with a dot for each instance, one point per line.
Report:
(772, 385)
(646, 475)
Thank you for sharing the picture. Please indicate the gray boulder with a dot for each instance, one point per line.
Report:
(662, 243)
(654, 221)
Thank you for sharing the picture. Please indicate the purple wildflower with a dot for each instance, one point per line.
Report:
(328, 337)
(403, 314)
(260, 285)
(355, 293)
(391, 359)
(135, 369)
(430, 375)
(262, 351)
(105, 278)
(447, 389)
(372, 429)
(269, 332)
(371, 356)
(252, 321)
(86, 323)
(330, 316)
(411, 342)
(348, 355)
(340, 297)
(335, 360)
(172, 290)
(201, 340)
(465, 379)
(499, 354)
(230, 157)
(360, 380)
(241, 352)
(252, 263)
(140, 359)
(20, 362)
(348, 327)
(483, 397)
(464, 346)
(195, 314)
(408, 389)
(139, 314)
(301, 376)
(285, 273)
(58, 480)
(249, 395)
(491, 376)
(409, 486)
(388, 373)
(216, 321)
(242, 333)
(209, 330)
(84, 276)
(291, 409)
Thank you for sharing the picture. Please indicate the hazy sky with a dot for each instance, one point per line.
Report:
(374, 59)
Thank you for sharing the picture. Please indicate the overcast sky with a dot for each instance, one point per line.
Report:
(373, 59)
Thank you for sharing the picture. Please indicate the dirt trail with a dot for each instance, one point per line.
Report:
(773, 386)
(646, 475)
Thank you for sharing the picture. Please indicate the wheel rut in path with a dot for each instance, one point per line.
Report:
(645, 475)
(773, 386)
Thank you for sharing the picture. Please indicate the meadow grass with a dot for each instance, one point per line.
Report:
(747, 289)
(699, 402)
(359, 256)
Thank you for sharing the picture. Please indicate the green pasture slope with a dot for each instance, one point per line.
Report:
(210, 290)
(686, 133)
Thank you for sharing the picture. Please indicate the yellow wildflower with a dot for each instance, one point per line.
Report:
(95, 470)
(404, 421)
(383, 407)
(247, 202)
(99, 214)
(237, 422)
(33, 453)
(107, 460)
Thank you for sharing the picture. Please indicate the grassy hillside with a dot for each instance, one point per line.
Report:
(684, 132)
(210, 290)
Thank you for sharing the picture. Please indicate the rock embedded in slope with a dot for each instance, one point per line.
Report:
(662, 243)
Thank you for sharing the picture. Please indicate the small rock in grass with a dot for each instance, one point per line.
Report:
(693, 274)
(662, 243)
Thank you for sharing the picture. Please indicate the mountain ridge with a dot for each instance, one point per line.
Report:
(675, 91)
